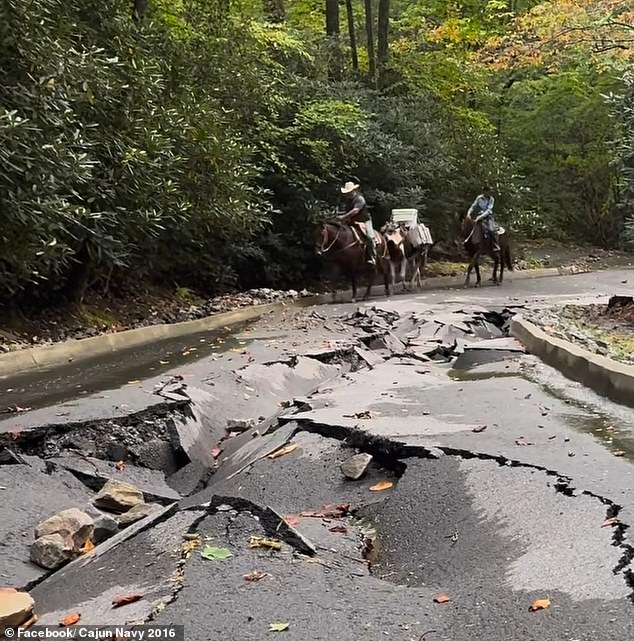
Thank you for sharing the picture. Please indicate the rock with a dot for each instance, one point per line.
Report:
(15, 607)
(137, 513)
(71, 524)
(105, 526)
(117, 496)
(240, 424)
(355, 467)
(52, 551)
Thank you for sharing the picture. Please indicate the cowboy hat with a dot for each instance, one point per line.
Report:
(349, 187)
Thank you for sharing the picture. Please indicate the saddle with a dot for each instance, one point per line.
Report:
(359, 232)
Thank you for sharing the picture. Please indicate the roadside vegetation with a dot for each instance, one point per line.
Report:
(194, 143)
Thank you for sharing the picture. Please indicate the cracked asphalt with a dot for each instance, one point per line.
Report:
(503, 475)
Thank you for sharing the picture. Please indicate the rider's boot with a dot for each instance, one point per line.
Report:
(370, 251)
(496, 241)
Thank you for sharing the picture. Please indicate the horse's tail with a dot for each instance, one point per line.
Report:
(507, 258)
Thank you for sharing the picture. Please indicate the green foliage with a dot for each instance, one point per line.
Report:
(200, 146)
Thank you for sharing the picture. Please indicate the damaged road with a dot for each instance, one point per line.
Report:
(488, 484)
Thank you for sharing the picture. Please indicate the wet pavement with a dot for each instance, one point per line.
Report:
(494, 480)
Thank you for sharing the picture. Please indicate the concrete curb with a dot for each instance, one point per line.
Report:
(59, 354)
(599, 373)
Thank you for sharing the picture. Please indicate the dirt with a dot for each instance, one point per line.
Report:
(597, 328)
(103, 314)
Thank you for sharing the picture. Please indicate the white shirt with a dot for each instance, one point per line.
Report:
(482, 204)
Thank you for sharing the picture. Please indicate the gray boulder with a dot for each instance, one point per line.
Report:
(71, 524)
(117, 496)
(51, 551)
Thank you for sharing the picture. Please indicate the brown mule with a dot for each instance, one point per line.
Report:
(345, 246)
(477, 245)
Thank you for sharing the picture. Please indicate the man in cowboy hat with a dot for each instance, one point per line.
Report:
(482, 208)
(358, 212)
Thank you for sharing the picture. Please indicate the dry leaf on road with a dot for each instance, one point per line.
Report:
(119, 466)
(254, 576)
(342, 529)
(261, 542)
(381, 486)
(70, 619)
(125, 599)
(442, 598)
(291, 520)
(479, 429)
(540, 604)
(216, 452)
(88, 546)
(284, 451)
(278, 627)
(610, 522)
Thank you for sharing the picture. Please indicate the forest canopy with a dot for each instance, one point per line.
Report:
(198, 141)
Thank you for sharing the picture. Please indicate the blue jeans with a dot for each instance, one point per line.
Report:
(371, 247)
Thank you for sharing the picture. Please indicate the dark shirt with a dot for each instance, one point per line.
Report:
(358, 202)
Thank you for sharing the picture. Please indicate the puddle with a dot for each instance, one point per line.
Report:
(611, 424)
(49, 387)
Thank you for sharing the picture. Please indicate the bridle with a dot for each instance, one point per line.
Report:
(324, 250)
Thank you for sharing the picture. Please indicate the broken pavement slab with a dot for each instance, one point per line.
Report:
(95, 473)
(142, 559)
(33, 491)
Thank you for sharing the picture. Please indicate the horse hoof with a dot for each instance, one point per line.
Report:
(477, 284)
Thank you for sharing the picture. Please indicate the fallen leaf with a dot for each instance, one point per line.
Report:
(479, 429)
(284, 451)
(254, 576)
(14, 436)
(342, 529)
(164, 362)
(120, 466)
(88, 546)
(70, 619)
(381, 486)
(261, 542)
(278, 627)
(610, 522)
(292, 520)
(521, 441)
(540, 604)
(442, 598)
(212, 553)
(216, 452)
(366, 415)
(618, 453)
(329, 512)
(126, 599)
(136, 381)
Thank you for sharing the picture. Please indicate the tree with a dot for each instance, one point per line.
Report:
(383, 39)
(274, 10)
(353, 38)
(369, 34)
(333, 32)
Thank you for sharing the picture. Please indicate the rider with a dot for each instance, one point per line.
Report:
(358, 212)
(483, 206)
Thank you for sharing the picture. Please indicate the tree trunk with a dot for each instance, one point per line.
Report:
(353, 38)
(274, 10)
(383, 38)
(139, 9)
(332, 31)
(369, 31)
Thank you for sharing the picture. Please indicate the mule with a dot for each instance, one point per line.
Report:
(477, 245)
(405, 256)
(344, 245)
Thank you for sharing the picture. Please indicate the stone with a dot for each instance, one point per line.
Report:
(355, 467)
(137, 513)
(105, 524)
(51, 551)
(15, 607)
(117, 496)
(240, 424)
(71, 524)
